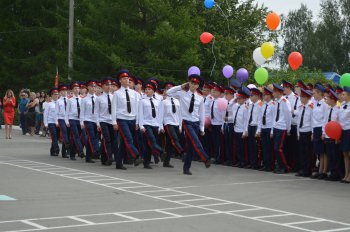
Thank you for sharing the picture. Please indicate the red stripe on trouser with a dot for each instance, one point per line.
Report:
(193, 143)
(154, 151)
(281, 150)
(126, 142)
(172, 140)
(89, 138)
(104, 145)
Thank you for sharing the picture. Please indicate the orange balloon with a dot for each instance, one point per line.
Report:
(333, 130)
(273, 21)
(295, 59)
(206, 37)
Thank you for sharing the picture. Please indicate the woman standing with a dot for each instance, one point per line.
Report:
(39, 114)
(9, 103)
(31, 113)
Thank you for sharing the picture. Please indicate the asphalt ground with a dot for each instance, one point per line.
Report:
(39, 192)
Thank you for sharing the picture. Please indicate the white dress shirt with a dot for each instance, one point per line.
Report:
(294, 101)
(86, 109)
(218, 115)
(61, 108)
(307, 118)
(229, 111)
(72, 109)
(50, 113)
(344, 116)
(185, 99)
(101, 109)
(145, 112)
(285, 116)
(207, 104)
(331, 114)
(119, 105)
(269, 117)
(256, 114)
(320, 107)
(166, 115)
(241, 117)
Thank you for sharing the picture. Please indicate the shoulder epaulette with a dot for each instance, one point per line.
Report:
(311, 105)
(273, 103)
(283, 99)
(261, 103)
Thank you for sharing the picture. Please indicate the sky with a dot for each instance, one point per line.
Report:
(284, 6)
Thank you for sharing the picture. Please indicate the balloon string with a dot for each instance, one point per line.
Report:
(225, 16)
(212, 51)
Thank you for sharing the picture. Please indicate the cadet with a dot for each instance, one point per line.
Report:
(51, 121)
(230, 155)
(344, 120)
(61, 115)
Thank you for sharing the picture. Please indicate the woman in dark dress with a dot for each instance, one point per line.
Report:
(31, 113)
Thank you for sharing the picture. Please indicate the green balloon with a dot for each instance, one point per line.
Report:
(345, 80)
(261, 75)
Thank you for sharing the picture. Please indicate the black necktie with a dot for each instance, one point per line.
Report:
(65, 103)
(318, 104)
(212, 110)
(128, 105)
(264, 116)
(227, 109)
(234, 122)
(278, 112)
(191, 104)
(345, 107)
(109, 104)
(295, 104)
(302, 118)
(93, 104)
(330, 115)
(78, 107)
(173, 105)
(251, 114)
(153, 109)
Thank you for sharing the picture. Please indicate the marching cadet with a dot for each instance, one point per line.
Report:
(318, 118)
(192, 113)
(132, 82)
(281, 127)
(88, 122)
(332, 156)
(252, 126)
(138, 86)
(170, 116)
(240, 112)
(344, 120)
(103, 114)
(266, 120)
(51, 121)
(124, 111)
(83, 89)
(114, 85)
(230, 155)
(292, 139)
(156, 82)
(304, 132)
(149, 124)
(98, 90)
(73, 120)
(217, 121)
(61, 114)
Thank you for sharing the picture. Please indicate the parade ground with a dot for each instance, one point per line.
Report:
(39, 193)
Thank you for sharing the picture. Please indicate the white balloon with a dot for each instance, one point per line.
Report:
(258, 57)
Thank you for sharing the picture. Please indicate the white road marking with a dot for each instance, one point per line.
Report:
(37, 226)
(81, 220)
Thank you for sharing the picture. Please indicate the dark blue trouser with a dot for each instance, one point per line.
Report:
(333, 156)
(194, 144)
(252, 146)
(151, 145)
(23, 123)
(55, 149)
(173, 145)
(75, 129)
(292, 147)
(92, 139)
(304, 155)
(216, 139)
(126, 130)
(279, 137)
(64, 131)
(266, 144)
(109, 141)
(229, 143)
(239, 141)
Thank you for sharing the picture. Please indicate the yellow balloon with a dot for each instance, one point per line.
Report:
(267, 50)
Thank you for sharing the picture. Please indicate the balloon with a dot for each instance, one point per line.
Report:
(209, 4)
(194, 70)
(250, 86)
(206, 37)
(273, 21)
(261, 75)
(227, 71)
(242, 75)
(258, 57)
(345, 80)
(333, 130)
(222, 104)
(207, 122)
(267, 50)
(295, 59)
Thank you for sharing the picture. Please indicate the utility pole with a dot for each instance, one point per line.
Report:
(70, 38)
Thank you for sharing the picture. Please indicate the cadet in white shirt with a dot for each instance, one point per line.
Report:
(170, 123)
(207, 138)
(230, 155)
(344, 120)
(73, 122)
(304, 133)
(61, 115)
(281, 127)
(192, 113)
(51, 121)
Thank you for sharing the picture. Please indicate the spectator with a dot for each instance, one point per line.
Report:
(39, 113)
(47, 100)
(9, 103)
(31, 113)
(22, 111)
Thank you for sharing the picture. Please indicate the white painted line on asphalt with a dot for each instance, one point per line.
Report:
(134, 187)
(81, 220)
(276, 215)
(171, 214)
(128, 217)
(37, 226)
(196, 199)
(334, 230)
(303, 222)
(175, 195)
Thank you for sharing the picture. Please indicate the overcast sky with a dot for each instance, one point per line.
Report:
(284, 6)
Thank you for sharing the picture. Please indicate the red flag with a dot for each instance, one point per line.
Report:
(56, 79)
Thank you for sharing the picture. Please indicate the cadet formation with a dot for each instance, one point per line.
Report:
(125, 121)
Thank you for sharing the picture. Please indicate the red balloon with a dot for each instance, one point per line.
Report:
(333, 130)
(295, 59)
(206, 37)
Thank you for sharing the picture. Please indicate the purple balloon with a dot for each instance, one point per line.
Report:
(194, 70)
(242, 75)
(227, 71)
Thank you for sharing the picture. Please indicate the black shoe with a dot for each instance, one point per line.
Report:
(90, 161)
(120, 167)
(81, 155)
(163, 156)
(107, 163)
(322, 176)
(248, 167)
(72, 158)
(235, 165)
(262, 169)
(138, 161)
(306, 175)
(315, 175)
(332, 177)
(156, 159)
(188, 172)
(207, 163)
(280, 171)
(147, 167)
(165, 165)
